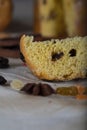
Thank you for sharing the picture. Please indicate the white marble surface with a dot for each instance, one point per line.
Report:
(19, 111)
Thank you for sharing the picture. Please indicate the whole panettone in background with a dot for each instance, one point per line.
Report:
(5, 13)
(56, 59)
(36, 18)
(51, 18)
(76, 17)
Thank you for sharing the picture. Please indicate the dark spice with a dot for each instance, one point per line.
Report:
(38, 89)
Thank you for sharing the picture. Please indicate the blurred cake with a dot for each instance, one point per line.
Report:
(56, 59)
(51, 18)
(5, 13)
(75, 12)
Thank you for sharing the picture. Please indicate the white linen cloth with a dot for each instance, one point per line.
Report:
(20, 111)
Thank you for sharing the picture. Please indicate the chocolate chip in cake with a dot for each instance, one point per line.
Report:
(52, 15)
(54, 41)
(72, 53)
(57, 56)
(2, 80)
(44, 2)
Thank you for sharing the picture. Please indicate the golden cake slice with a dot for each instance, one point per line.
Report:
(56, 60)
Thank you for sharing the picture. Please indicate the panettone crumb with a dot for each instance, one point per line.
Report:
(56, 59)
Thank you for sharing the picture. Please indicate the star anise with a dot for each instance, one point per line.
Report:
(38, 89)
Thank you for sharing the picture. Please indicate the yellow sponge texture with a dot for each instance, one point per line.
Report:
(55, 59)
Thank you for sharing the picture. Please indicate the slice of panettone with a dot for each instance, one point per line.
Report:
(56, 60)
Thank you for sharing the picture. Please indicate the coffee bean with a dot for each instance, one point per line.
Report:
(4, 66)
(38, 89)
(28, 88)
(4, 63)
(46, 90)
(4, 60)
(2, 80)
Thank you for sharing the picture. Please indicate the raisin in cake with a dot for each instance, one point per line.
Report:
(56, 59)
